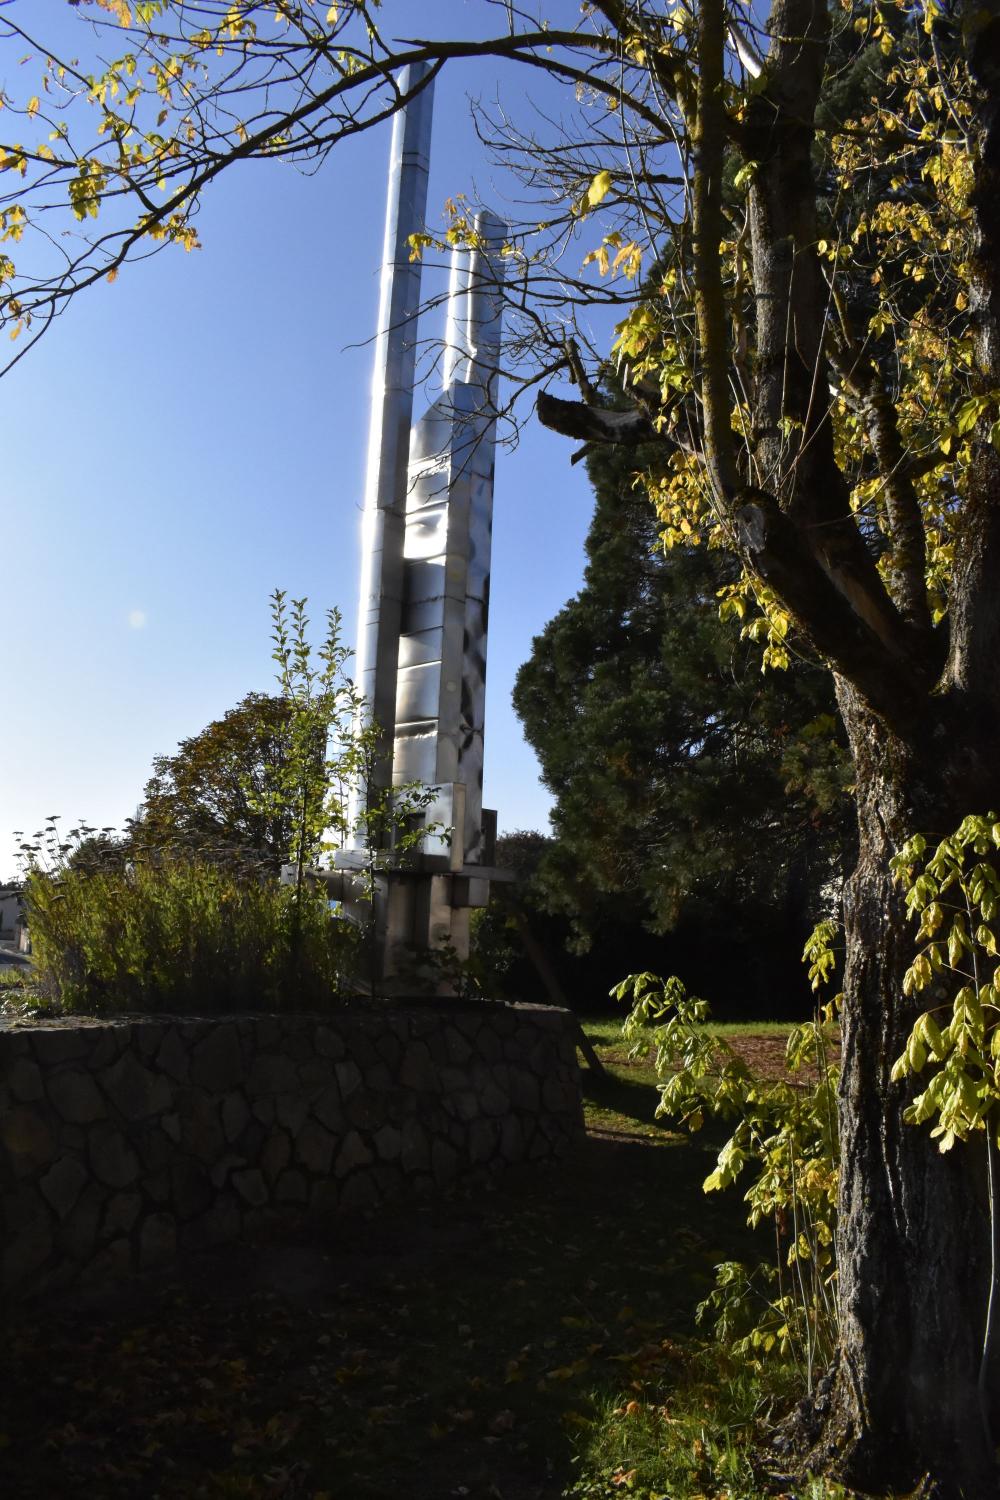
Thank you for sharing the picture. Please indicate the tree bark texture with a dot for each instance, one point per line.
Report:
(914, 1236)
(901, 1408)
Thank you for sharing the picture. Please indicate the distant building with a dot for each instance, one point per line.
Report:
(12, 913)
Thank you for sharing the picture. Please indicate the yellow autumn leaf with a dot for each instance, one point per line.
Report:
(333, 15)
(599, 189)
(34, 104)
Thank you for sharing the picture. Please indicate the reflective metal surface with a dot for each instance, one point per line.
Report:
(426, 543)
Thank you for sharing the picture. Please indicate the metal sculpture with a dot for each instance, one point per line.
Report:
(425, 580)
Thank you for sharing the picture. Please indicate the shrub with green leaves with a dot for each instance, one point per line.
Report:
(954, 895)
(181, 935)
(784, 1132)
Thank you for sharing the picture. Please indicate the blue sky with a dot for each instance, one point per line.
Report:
(184, 441)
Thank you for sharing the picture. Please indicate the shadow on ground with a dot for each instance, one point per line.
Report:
(450, 1348)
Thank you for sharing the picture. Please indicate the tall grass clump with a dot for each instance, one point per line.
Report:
(180, 934)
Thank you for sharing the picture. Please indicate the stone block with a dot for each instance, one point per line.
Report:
(324, 1198)
(329, 1044)
(328, 1109)
(378, 1078)
(266, 1032)
(276, 1155)
(24, 1080)
(484, 1138)
(291, 1187)
(272, 1073)
(557, 1095)
(221, 1169)
(193, 1032)
(156, 1149)
(171, 1127)
(109, 1264)
(348, 1077)
(112, 1159)
(300, 1038)
(190, 1189)
(458, 1047)
(157, 1185)
(467, 1105)
(352, 1154)
(62, 1184)
(106, 1048)
(418, 1071)
(493, 1100)
(121, 1213)
(364, 1051)
(414, 1150)
(75, 1097)
(365, 1110)
(217, 1062)
(251, 1187)
(512, 1139)
(77, 1235)
(388, 1142)
(235, 1116)
(541, 1057)
(524, 1091)
(172, 1057)
(489, 1044)
(60, 1044)
(315, 1073)
(28, 1139)
(391, 1184)
(292, 1110)
(438, 1047)
(223, 1221)
(147, 1037)
(201, 1130)
(25, 1253)
(444, 1162)
(359, 1192)
(389, 1050)
(314, 1148)
(263, 1110)
(157, 1241)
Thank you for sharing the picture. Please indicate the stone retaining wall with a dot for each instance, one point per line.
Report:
(124, 1143)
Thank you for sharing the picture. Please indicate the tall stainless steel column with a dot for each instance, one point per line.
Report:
(392, 414)
(440, 700)
(426, 564)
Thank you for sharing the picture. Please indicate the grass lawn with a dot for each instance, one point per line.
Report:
(524, 1339)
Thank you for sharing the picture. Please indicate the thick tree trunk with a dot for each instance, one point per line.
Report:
(902, 1408)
